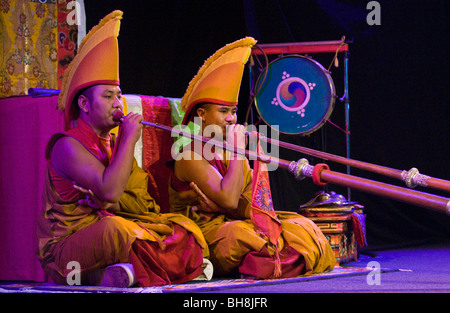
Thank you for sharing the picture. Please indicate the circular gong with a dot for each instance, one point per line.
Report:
(297, 95)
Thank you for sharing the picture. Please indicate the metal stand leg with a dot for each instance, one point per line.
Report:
(347, 116)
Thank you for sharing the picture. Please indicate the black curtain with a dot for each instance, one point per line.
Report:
(398, 90)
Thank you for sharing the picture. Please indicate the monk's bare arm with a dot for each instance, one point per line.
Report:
(223, 191)
(75, 162)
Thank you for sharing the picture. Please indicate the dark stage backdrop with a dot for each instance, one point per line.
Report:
(398, 89)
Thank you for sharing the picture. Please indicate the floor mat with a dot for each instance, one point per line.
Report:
(193, 286)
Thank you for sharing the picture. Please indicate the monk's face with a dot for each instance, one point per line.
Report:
(99, 105)
(217, 116)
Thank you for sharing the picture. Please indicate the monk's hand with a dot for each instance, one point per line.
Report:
(91, 200)
(236, 136)
(204, 203)
(132, 127)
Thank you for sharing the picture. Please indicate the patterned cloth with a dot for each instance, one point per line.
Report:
(37, 45)
(263, 215)
(68, 39)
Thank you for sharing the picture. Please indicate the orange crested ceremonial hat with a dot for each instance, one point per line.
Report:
(219, 80)
(96, 62)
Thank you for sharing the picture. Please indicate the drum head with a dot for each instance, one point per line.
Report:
(297, 95)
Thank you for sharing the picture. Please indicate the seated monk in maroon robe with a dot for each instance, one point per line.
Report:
(96, 207)
(246, 236)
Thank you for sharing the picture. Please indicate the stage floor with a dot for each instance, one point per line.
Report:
(417, 269)
(420, 269)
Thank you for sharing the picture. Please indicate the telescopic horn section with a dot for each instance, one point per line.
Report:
(322, 175)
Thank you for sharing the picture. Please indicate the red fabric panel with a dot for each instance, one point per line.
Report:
(156, 148)
(67, 40)
(157, 266)
(261, 264)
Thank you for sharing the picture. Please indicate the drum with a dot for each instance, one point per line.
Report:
(297, 95)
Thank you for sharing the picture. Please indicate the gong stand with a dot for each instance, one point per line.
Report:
(334, 46)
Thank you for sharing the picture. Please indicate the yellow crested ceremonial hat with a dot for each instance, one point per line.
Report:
(96, 62)
(219, 80)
